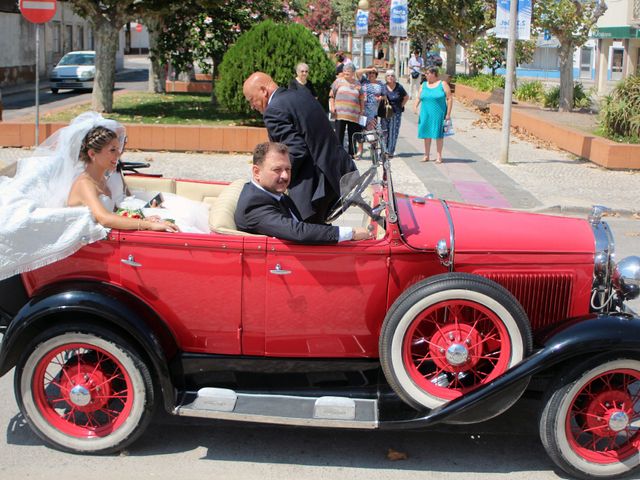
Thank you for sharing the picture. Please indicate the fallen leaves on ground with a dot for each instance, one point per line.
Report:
(636, 216)
(394, 455)
(632, 234)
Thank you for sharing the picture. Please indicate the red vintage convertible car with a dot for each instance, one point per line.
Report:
(449, 314)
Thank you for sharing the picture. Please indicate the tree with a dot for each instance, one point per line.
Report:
(452, 22)
(106, 17)
(201, 32)
(491, 52)
(570, 22)
(274, 49)
(320, 16)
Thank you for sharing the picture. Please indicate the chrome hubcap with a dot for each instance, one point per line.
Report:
(457, 354)
(618, 421)
(80, 396)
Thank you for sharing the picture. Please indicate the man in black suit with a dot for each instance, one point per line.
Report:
(264, 208)
(318, 160)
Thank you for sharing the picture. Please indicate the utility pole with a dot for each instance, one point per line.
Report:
(508, 84)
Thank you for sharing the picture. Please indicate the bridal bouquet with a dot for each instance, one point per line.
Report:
(130, 212)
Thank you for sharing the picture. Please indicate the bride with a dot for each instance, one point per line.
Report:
(60, 198)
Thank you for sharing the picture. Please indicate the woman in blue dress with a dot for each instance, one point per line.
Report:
(435, 104)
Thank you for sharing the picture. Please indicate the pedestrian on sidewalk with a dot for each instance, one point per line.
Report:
(415, 73)
(346, 104)
(373, 91)
(435, 104)
(397, 97)
(301, 80)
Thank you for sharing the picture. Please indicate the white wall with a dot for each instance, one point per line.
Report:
(617, 14)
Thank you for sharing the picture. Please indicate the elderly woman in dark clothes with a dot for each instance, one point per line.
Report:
(301, 80)
(397, 97)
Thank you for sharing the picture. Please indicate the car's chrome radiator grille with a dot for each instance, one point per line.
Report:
(544, 296)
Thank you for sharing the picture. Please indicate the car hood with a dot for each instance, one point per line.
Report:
(69, 70)
(489, 230)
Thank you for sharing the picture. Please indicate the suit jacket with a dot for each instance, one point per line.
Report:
(259, 212)
(318, 160)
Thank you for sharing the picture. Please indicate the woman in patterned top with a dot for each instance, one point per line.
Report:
(346, 103)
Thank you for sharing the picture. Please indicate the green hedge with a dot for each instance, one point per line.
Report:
(274, 49)
(482, 82)
(620, 112)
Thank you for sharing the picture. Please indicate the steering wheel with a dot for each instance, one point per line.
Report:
(355, 193)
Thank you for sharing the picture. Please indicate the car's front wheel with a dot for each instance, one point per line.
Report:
(84, 389)
(448, 335)
(590, 424)
(54, 91)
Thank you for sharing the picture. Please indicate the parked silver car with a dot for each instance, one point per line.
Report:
(75, 71)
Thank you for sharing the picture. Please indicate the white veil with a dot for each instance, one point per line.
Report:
(36, 226)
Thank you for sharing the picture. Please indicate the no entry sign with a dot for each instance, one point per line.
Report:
(38, 11)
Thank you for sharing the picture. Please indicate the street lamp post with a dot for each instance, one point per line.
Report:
(364, 6)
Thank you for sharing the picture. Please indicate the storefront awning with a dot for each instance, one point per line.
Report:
(625, 31)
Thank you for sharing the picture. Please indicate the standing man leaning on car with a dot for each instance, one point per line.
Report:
(318, 161)
(265, 208)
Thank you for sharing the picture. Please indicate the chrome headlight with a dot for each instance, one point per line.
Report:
(85, 75)
(626, 278)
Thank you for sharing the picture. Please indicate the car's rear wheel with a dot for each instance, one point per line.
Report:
(450, 334)
(590, 424)
(54, 90)
(84, 389)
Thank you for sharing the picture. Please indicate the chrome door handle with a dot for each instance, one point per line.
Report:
(279, 271)
(130, 261)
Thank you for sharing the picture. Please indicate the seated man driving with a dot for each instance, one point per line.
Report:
(264, 208)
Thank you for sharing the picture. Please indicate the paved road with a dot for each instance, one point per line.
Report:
(21, 105)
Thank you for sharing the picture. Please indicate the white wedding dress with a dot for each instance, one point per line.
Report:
(36, 226)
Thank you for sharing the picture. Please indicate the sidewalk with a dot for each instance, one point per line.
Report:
(536, 179)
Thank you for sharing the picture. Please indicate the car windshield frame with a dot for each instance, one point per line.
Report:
(81, 59)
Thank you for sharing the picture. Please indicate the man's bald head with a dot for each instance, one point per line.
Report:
(257, 89)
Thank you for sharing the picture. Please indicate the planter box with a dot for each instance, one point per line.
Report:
(471, 94)
(187, 87)
(604, 152)
(202, 138)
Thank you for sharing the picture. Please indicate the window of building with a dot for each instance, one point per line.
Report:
(617, 55)
(586, 58)
(68, 38)
(55, 37)
(80, 38)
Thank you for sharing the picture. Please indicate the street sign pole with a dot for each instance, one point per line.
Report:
(38, 11)
(37, 84)
(508, 83)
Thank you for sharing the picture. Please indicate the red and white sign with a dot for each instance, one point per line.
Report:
(139, 27)
(38, 11)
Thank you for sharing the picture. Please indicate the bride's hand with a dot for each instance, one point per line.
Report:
(163, 226)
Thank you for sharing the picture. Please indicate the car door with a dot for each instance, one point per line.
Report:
(192, 281)
(325, 300)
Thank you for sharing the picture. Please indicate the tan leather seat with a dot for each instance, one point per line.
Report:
(221, 218)
(150, 184)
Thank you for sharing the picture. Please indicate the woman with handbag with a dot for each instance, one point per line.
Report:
(435, 104)
(397, 97)
(415, 73)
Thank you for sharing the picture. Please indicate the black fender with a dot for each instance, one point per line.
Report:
(582, 336)
(105, 304)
